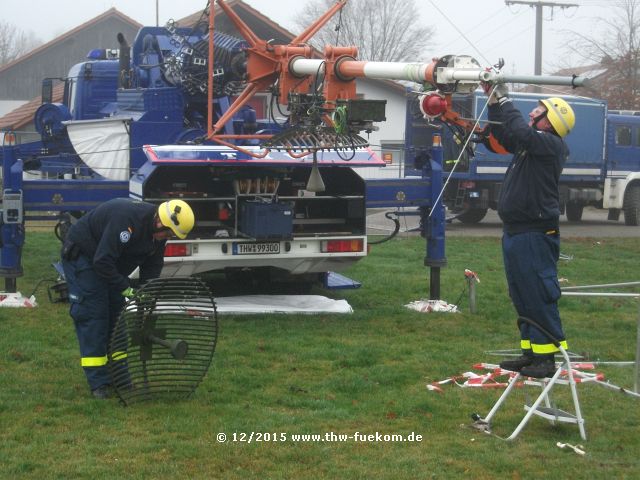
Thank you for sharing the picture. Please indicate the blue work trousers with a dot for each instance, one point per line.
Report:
(95, 308)
(530, 263)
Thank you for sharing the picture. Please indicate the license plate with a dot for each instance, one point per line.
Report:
(255, 248)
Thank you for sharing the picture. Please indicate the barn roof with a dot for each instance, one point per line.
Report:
(112, 12)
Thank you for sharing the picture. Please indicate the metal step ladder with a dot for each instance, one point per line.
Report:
(461, 193)
(542, 406)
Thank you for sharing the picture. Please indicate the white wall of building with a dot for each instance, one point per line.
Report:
(390, 132)
(7, 106)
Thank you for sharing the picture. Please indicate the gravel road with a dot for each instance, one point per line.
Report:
(594, 224)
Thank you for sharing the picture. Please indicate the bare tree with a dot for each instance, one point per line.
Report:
(616, 47)
(383, 30)
(15, 42)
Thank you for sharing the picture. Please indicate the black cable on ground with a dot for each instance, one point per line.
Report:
(395, 231)
(40, 282)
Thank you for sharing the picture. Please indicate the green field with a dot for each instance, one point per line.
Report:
(280, 376)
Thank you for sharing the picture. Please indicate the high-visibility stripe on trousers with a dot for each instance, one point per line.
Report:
(100, 361)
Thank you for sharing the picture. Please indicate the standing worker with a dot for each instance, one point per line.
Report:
(99, 253)
(529, 208)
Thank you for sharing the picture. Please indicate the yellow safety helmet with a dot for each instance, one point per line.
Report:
(178, 216)
(560, 115)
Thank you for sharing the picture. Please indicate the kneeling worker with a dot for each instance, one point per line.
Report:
(99, 253)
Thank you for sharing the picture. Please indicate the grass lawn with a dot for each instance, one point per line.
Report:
(280, 376)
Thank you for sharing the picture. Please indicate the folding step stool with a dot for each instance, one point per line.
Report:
(546, 411)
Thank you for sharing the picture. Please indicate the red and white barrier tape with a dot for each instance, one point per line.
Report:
(489, 380)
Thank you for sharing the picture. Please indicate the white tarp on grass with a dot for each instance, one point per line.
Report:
(253, 304)
(250, 304)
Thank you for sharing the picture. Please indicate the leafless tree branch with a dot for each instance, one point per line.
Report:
(15, 42)
(383, 30)
(615, 45)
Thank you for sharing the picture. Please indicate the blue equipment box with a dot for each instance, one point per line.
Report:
(261, 220)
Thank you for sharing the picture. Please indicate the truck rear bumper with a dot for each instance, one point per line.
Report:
(296, 256)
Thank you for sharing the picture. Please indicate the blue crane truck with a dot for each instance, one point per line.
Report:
(603, 169)
(131, 125)
(170, 117)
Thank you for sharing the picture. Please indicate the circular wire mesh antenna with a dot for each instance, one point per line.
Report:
(163, 342)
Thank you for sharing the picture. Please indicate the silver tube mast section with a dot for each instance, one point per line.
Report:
(574, 81)
(606, 285)
(417, 72)
(306, 66)
(448, 75)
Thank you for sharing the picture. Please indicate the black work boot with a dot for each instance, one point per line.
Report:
(102, 392)
(541, 367)
(518, 363)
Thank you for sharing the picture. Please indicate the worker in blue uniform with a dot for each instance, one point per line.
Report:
(529, 208)
(99, 252)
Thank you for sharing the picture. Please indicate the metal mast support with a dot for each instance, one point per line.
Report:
(424, 72)
(434, 224)
(12, 221)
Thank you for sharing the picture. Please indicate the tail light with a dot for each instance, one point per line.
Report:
(9, 138)
(177, 250)
(342, 246)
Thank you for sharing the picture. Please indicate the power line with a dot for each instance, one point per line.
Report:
(487, 32)
(539, 5)
(458, 30)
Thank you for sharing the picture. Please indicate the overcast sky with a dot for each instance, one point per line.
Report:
(490, 29)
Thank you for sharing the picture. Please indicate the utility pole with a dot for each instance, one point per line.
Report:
(539, 5)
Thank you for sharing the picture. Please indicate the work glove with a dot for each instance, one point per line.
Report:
(138, 298)
(500, 92)
(128, 293)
